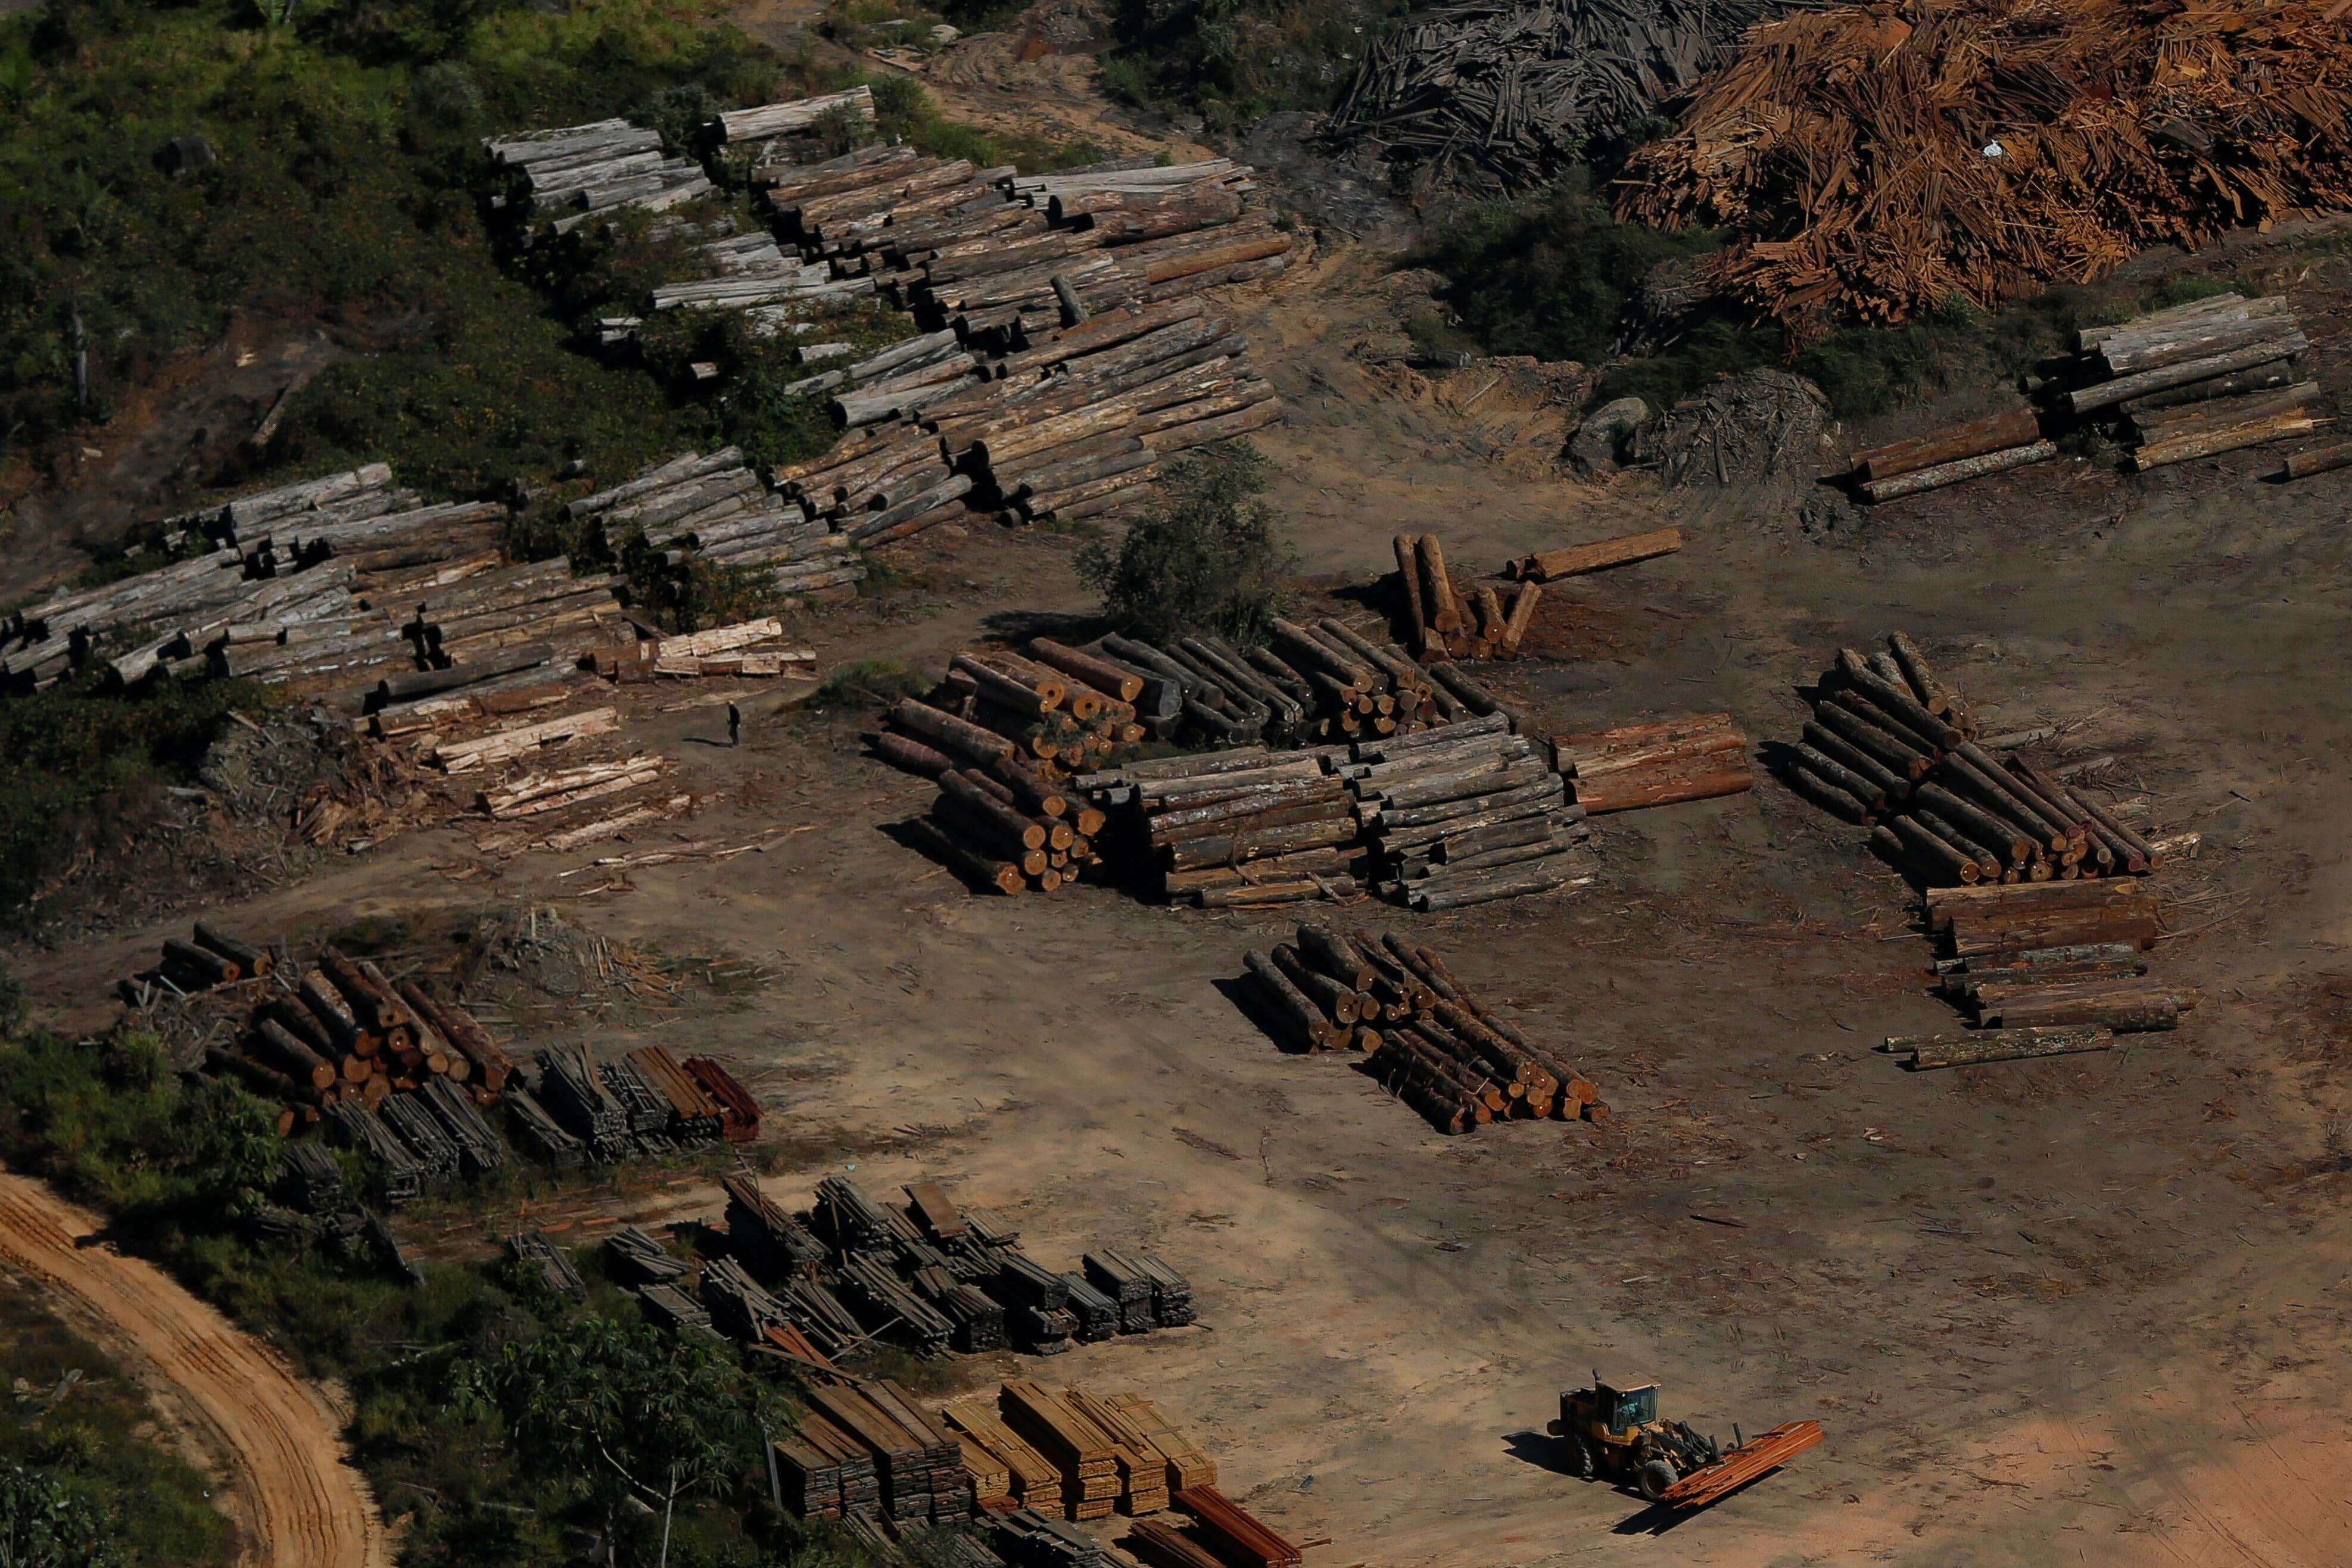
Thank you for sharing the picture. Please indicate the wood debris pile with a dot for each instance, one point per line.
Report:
(1658, 764)
(1445, 622)
(559, 178)
(1496, 95)
(1875, 165)
(1431, 1042)
(343, 589)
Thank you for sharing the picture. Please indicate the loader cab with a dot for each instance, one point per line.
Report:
(1625, 1411)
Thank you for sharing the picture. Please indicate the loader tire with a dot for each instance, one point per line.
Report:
(1656, 1477)
(1581, 1463)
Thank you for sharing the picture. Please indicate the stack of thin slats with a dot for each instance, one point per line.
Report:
(690, 1113)
(1233, 1535)
(1083, 1453)
(531, 1249)
(1031, 1480)
(635, 1257)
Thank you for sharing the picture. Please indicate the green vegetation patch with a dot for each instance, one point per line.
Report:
(1205, 559)
(1234, 61)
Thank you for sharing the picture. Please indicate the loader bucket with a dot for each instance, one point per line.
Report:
(1764, 1452)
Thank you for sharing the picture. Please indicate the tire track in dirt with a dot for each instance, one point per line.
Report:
(297, 1501)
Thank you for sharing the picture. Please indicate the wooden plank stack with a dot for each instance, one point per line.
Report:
(1432, 1043)
(1987, 149)
(713, 510)
(1233, 1535)
(2194, 381)
(1496, 95)
(1447, 623)
(532, 1251)
(996, 1456)
(561, 178)
(1654, 764)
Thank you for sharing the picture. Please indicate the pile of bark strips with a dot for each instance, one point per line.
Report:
(1874, 165)
(1495, 95)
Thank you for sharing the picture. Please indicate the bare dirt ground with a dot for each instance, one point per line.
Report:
(2090, 1311)
(274, 1437)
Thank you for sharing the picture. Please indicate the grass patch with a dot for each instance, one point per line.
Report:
(86, 1436)
(1552, 275)
(81, 768)
(867, 684)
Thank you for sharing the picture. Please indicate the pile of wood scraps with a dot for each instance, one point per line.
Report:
(1658, 764)
(558, 179)
(1874, 166)
(1429, 1041)
(1496, 95)
(1446, 623)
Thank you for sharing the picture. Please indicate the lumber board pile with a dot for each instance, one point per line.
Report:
(1233, 1535)
(558, 179)
(1489, 96)
(1874, 166)
(1446, 623)
(2194, 381)
(1031, 1539)
(872, 1447)
(1764, 1452)
(712, 510)
(633, 1256)
(1432, 1042)
(532, 1252)
(643, 1103)
(935, 1277)
(1655, 764)
(344, 589)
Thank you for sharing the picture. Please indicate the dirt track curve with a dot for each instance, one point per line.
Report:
(296, 1502)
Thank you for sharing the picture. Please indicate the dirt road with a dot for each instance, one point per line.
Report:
(296, 1505)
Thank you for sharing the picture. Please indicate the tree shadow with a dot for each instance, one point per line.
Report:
(1244, 993)
(1020, 625)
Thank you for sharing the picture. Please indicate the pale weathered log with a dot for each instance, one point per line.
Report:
(1921, 480)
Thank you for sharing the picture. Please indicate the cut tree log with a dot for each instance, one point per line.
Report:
(1575, 559)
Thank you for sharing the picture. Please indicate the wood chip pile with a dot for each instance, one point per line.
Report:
(1498, 95)
(559, 178)
(343, 589)
(1656, 764)
(1431, 1042)
(1875, 165)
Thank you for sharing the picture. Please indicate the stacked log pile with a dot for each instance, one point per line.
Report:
(1464, 815)
(1497, 95)
(1654, 764)
(713, 510)
(341, 588)
(1991, 445)
(561, 178)
(1892, 748)
(1989, 147)
(207, 957)
(748, 650)
(1429, 1041)
(2054, 955)
(1447, 623)
(2195, 381)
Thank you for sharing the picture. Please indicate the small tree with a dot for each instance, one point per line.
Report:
(1204, 559)
(615, 1412)
(42, 1527)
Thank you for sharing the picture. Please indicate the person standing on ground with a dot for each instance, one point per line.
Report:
(734, 725)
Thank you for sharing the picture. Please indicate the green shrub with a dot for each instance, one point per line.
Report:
(867, 684)
(42, 1525)
(1235, 61)
(1205, 559)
